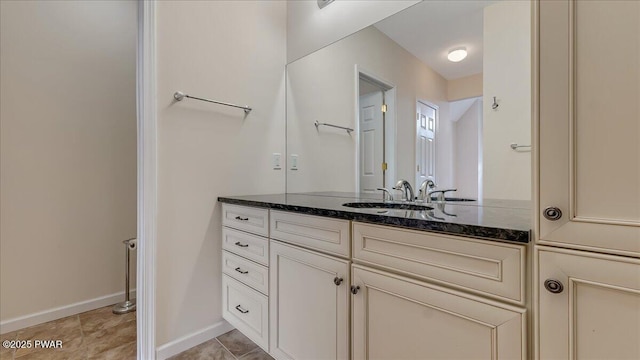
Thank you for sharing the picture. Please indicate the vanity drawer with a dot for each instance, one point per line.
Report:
(246, 271)
(250, 219)
(315, 232)
(492, 269)
(252, 247)
(247, 310)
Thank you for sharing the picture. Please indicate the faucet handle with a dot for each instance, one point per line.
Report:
(441, 193)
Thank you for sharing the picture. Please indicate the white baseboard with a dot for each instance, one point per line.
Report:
(195, 338)
(61, 312)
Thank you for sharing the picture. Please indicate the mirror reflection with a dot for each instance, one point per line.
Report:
(417, 115)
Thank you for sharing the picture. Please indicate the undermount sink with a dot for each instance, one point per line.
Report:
(385, 205)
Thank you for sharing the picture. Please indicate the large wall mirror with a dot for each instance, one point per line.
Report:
(414, 114)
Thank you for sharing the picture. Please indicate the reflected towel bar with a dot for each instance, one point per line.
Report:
(349, 130)
(179, 95)
(515, 146)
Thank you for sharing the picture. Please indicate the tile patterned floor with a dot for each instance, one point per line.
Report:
(230, 346)
(99, 334)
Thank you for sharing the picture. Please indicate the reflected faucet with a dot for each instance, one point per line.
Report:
(440, 194)
(425, 187)
(385, 191)
(407, 190)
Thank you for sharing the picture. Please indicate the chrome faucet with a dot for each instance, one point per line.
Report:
(407, 190)
(425, 187)
(385, 191)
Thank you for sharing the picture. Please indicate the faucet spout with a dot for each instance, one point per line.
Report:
(407, 190)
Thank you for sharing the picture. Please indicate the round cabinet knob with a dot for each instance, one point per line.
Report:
(337, 280)
(355, 289)
(553, 286)
(552, 213)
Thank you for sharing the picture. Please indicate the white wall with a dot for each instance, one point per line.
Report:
(322, 87)
(464, 87)
(507, 75)
(232, 51)
(67, 151)
(468, 152)
(310, 28)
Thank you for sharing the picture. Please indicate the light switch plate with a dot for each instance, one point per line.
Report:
(276, 161)
(294, 161)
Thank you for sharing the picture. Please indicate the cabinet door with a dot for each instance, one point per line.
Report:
(309, 307)
(589, 132)
(397, 318)
(597, 313)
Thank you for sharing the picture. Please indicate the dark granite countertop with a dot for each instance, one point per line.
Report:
(505, 220)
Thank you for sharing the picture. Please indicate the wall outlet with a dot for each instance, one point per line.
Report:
(294, 161)
(275, 160)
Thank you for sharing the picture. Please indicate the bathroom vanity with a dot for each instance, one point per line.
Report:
(306, 277)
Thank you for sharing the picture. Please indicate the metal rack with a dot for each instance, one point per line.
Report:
(348, 130)
(515, 147)
(179, 96)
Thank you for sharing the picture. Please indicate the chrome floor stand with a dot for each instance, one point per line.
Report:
(127, 305)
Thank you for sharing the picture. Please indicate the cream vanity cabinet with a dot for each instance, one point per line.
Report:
(398, 317)
(587, 276)
(309, 287)
(340, 289)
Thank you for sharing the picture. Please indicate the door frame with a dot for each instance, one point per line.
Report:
(146, 179)
(390, 128)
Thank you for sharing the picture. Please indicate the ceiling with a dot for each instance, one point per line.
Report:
(431, 28)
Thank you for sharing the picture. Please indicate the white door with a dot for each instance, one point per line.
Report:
(397, 318)
(371, 142)
(589, 145)
(426, 116)
(308, 303)
(596, 314)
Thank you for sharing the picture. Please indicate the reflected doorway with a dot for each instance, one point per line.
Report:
(376, 133)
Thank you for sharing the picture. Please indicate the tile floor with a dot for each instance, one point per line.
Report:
(99, 334)
(96, 334)
(230, 346)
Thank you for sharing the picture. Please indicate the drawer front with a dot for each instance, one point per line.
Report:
(247, 310)
(315, 232)
(246, 271)
(491, 269)
(252, 247)
(250, 219)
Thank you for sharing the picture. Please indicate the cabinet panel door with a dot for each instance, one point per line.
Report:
(308, 311)
(597, 314)
(589, 131)
(397, 318)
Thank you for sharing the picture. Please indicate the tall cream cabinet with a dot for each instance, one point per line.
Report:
(587, 278)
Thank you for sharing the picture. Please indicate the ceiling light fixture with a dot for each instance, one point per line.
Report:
(457, 54)
(323, 3)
